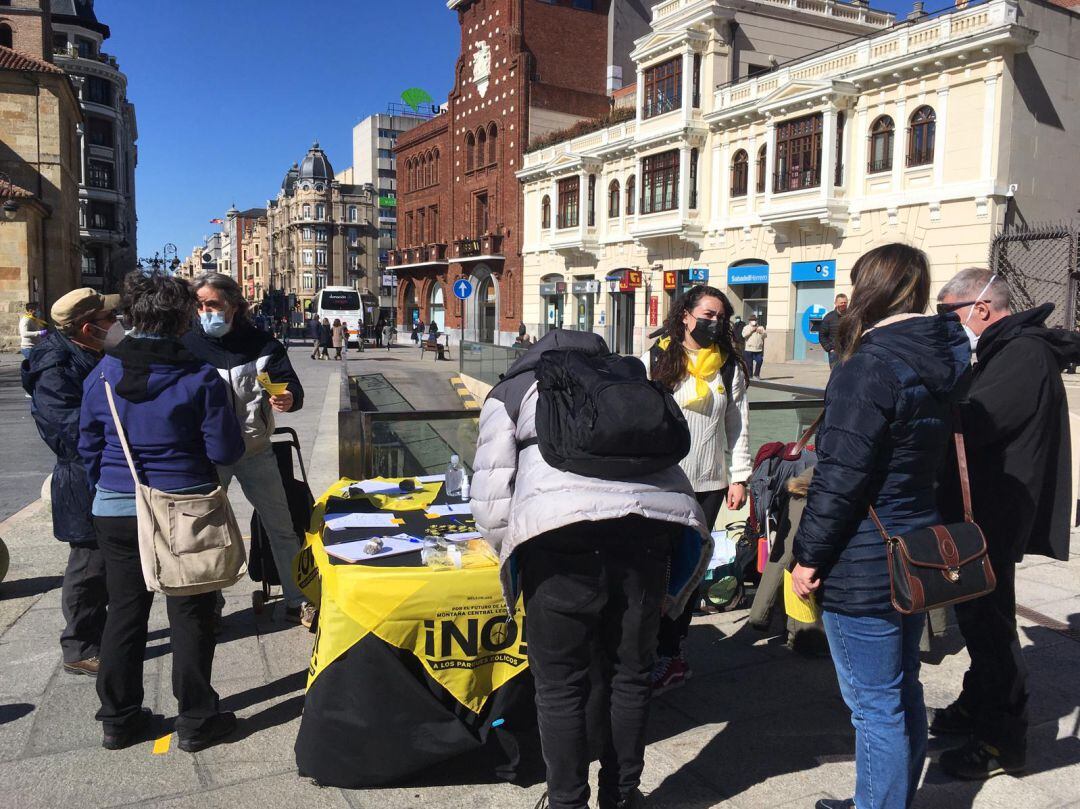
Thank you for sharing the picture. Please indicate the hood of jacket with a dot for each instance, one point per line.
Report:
(935, 347)
(557, 340)
(1064, 345)
(56, 350)
(150, 366)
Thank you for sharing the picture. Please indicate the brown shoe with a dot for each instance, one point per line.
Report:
(89, 667)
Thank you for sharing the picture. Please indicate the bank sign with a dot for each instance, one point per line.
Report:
(748, 274)
(814, 271)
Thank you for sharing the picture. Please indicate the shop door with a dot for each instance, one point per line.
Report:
(812, 300)
(584, 312)
(553, 312)
(486, 311)
(622, 323)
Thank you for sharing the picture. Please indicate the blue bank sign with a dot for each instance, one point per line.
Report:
(748, 274)
(814, 270)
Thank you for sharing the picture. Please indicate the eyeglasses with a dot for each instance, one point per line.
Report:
(946, 308)
(106, 317)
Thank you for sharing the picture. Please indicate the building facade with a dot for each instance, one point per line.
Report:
(39, 168)
(321, 233)
(769, 185)
(253, 254)
(459, 202)
(107, 151)
(374, 140)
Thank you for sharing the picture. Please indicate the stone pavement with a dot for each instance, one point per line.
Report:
(756, 726)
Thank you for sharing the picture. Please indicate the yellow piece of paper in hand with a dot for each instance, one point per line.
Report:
(273, 388)
(803, 610)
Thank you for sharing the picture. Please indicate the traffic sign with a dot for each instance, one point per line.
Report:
(463, 288)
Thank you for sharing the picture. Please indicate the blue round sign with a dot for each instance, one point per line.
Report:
(811, 314)
(462, 288)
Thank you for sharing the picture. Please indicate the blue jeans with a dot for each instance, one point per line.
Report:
(260, 480)
(754, 360)
(877, 664)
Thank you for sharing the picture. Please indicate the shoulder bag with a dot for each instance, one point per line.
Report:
(941, 565)
(188, 543)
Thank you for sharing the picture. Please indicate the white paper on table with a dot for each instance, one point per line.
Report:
(392, 546)
(450, 509)
(431, 478)
(724, 550)
(464, 536)
(377, 520)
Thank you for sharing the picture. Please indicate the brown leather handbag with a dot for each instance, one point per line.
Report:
(943, 564)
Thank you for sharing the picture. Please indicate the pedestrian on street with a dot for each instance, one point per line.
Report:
(326, 339)
(593, 560)
(884, 434)
(417, 330)
(337, 337)
(754, 340)
(388, 333)
(179, 422)
(1015, 418)
(313, 333)
(379, 330)
(284, 330)
(226, 340)
(829, 327)
(433, 330)
(696, 359)
(31, 329)
(53, 377)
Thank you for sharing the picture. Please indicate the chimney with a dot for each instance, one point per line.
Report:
(918, 12)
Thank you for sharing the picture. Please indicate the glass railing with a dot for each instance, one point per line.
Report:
(486, 362)
(380, 434)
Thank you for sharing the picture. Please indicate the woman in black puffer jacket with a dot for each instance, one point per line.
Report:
(886, 430)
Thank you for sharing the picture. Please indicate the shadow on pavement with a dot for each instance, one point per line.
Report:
(35, 585)
(13, 711)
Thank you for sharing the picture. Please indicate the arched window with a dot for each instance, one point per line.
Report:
(545, 212)
(481, 148)
(307, 211)
(320, 211)
(5, 36)
(760, 185)
(613, 199)
(631, 195)
(429, 168)
(881, 144)
(437, 308)
(740, 171)
(470, 151)
(493, 134)
(920, 151)
(436, 165)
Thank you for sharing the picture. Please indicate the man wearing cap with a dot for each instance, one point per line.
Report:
(53, 377)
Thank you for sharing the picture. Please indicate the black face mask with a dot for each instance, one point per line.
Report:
(706, 332)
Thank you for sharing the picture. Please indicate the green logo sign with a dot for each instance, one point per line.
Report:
(387, 202)
(414, 97)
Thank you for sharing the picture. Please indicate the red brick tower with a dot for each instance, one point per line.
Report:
(526, 67)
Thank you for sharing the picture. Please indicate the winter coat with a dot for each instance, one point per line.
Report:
(53, 377)
(886, 430)
(239, 357)
(176, 412)
(337, 333)
(326, 338)
(717, 427)
(517, 496)
(31, 330)
(1016, 432)
(754, 340)
(828, 331)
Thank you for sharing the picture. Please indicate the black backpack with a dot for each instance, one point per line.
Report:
(599, 415)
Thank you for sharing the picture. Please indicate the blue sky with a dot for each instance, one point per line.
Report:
(229, 93)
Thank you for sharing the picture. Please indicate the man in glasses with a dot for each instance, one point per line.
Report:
(85, 322)
(1016, 428)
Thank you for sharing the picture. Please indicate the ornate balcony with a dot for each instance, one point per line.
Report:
(424, 255)
(487, 246)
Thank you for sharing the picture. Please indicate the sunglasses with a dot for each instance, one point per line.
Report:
(946, 308)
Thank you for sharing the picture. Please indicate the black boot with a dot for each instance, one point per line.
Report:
(977, 761)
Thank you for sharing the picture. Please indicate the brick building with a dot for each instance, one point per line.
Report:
(527, 67)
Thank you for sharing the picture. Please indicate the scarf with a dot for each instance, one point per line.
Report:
(704, 368)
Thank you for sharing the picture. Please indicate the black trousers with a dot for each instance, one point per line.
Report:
(673, 631)
(123, 645)
(995, 689)
(83, 600)
(593, 591)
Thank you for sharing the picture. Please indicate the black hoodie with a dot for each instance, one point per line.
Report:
(1016, 427)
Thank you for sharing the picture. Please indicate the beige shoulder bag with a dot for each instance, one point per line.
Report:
(188, 543)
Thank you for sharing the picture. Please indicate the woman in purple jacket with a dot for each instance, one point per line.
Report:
(179, 423)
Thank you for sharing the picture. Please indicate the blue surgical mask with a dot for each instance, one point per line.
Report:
(214, 324)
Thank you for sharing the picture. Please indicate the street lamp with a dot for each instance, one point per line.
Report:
(10, 206)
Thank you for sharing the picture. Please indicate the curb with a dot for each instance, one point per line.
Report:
(462, 391)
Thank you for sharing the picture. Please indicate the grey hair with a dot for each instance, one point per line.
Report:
(966, 284)
(224, 284)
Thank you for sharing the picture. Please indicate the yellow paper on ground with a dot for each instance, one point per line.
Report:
(803, 610)
(273, 388)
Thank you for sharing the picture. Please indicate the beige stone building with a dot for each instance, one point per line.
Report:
(252, 274)
(321, 233)
(39, 168)
(938, 132)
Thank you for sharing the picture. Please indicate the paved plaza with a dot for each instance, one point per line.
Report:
(757, 726)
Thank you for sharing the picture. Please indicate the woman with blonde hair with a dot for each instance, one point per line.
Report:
(886, 430)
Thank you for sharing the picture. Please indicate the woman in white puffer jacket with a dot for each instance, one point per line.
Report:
(595, 562)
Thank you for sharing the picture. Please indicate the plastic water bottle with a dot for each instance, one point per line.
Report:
(465, 491)
(455, 474)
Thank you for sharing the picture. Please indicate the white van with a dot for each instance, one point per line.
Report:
(342, 303)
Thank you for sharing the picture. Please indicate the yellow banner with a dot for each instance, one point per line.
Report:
(454, 621)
